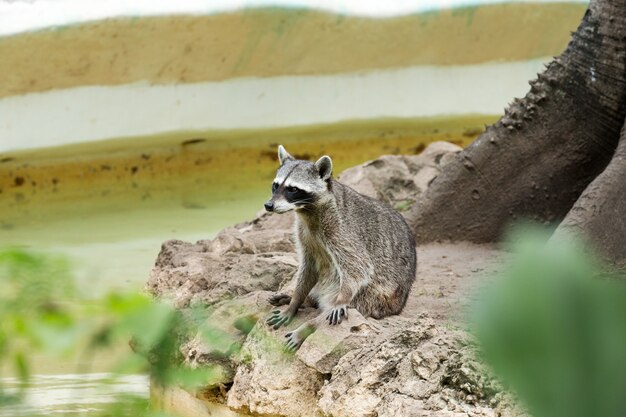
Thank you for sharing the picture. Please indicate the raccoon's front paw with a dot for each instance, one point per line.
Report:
(337, 314)
(295, 338)
(294, 341)
(279, 299)
(279, 318)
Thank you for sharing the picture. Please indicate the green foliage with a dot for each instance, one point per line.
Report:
(553, 327)
(32, 310)
(38, 313)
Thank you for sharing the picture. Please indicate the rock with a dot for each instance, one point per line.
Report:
(225, 330)
(398, 180)
(231, 240)
(206, 273)
(323, 349)
(265, 221)
(270, 381)
(418, 371)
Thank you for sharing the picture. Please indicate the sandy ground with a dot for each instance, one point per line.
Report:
(447, 277)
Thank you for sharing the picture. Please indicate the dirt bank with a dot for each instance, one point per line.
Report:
(271, 42)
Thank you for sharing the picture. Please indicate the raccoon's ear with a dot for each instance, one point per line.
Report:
(324, 166)
(283, 155)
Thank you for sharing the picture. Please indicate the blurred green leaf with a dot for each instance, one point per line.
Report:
(555, 332)
(133, 364)
(32, 281)
(54, 338)
(21, 366)
(38, 314)
(148, 324)
(3, 341)
(194, 378)
(217, 339)
(245, 323)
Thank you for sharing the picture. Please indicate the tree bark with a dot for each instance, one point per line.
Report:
(599, 215)
(535, 162)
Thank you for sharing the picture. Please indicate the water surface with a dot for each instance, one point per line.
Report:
(72, 394)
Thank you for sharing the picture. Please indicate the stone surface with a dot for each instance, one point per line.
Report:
(420, 370)
(399, 179)
(270, 381)
(207, 272)
(229, 322)
(323, 349)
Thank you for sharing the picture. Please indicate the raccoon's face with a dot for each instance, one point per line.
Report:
(298, 184)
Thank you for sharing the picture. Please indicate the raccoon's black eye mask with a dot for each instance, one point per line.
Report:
(288, 190)
(297, 196)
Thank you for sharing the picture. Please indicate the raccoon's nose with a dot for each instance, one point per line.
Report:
(269, 206)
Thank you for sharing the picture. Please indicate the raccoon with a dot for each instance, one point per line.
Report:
(354, 251)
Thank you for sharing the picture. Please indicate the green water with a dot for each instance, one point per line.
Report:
(115, 250)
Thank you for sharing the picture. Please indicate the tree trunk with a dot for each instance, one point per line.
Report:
(599, 215)
(535, 162)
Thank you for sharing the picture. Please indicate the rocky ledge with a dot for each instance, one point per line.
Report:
(420, 363)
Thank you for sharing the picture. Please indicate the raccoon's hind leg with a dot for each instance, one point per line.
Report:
(349, 288)
(353, 276)
(311, 302)
(337, 314)
(279, 299)
(371, 302)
